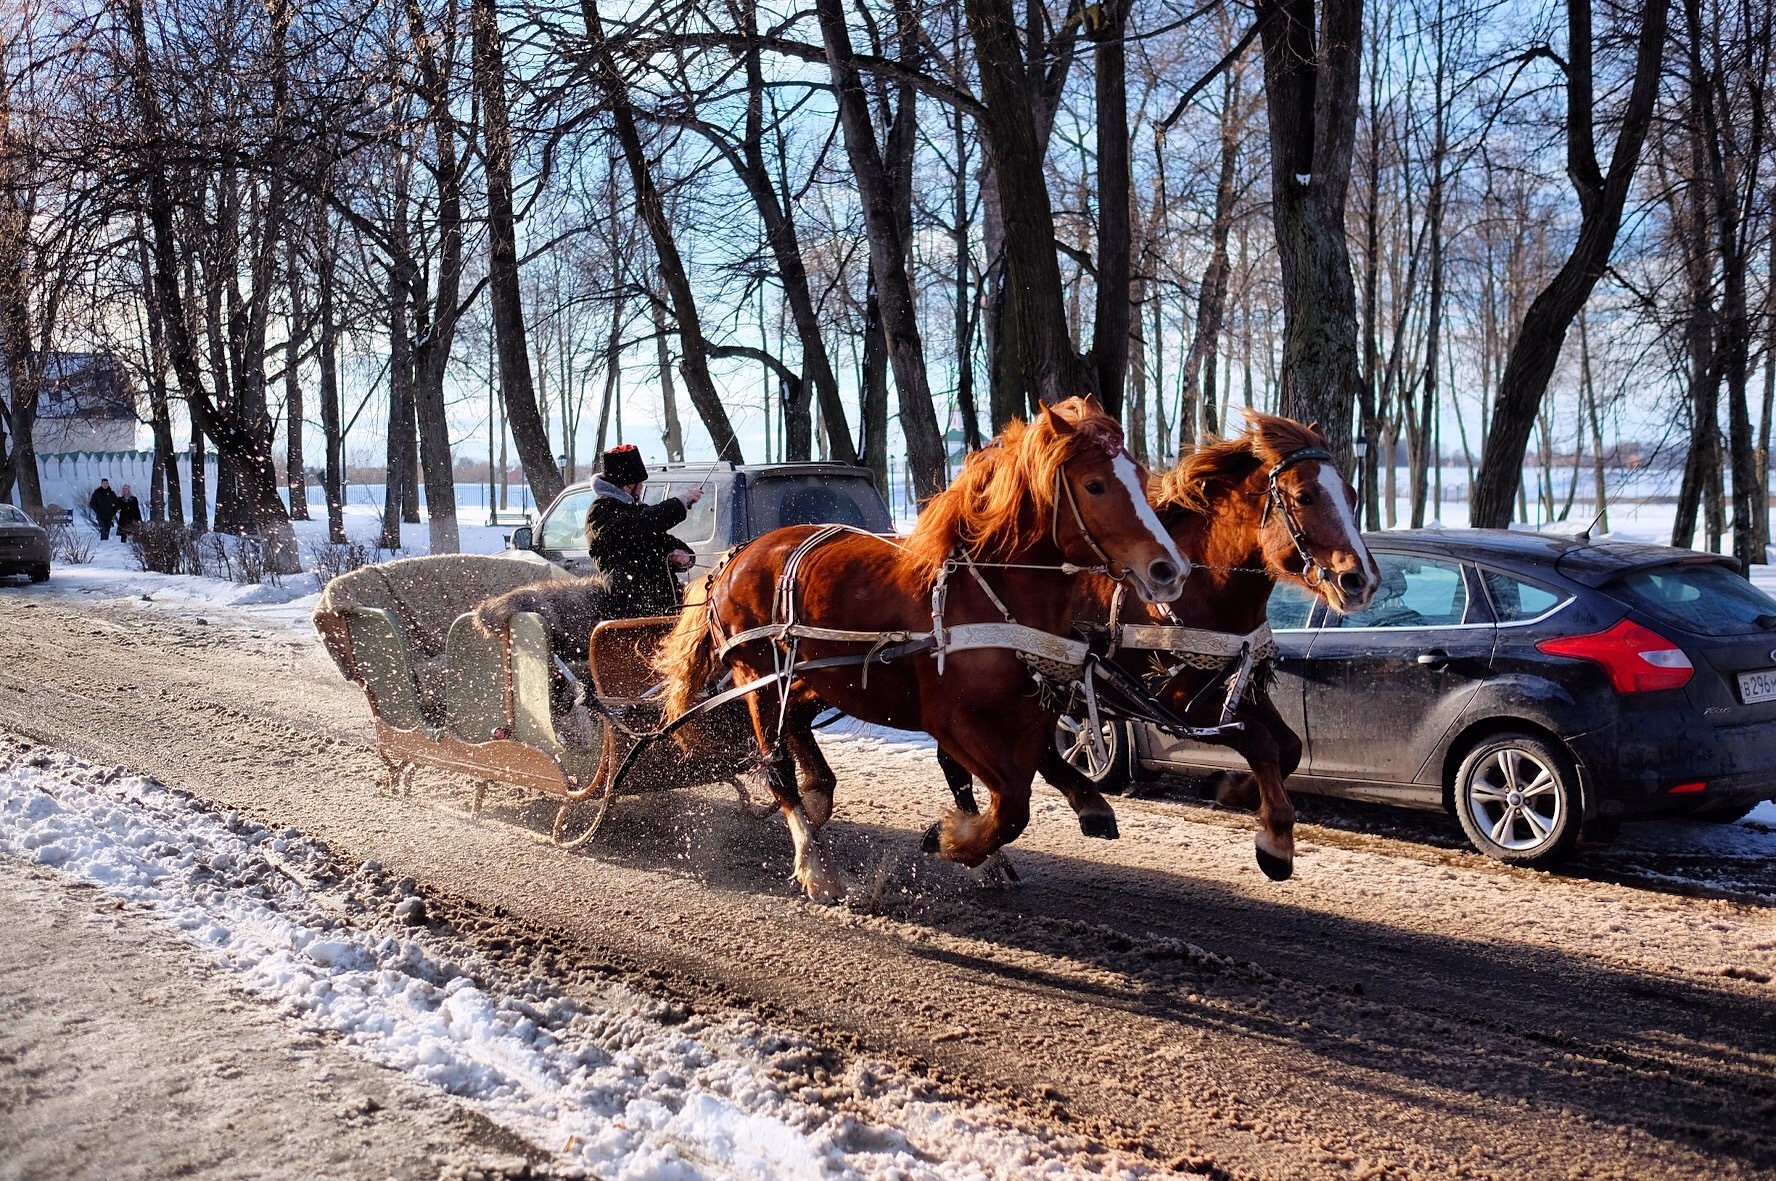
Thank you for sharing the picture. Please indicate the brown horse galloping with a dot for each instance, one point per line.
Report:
(1061, 490)
(1243, 538)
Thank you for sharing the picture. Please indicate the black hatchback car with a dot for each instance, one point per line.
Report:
(1532, 684)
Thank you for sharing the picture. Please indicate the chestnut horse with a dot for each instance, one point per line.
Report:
(1002, 545)
(1263, 507)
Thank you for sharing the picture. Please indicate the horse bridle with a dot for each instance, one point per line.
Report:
(1274, 496)
(1054, 525)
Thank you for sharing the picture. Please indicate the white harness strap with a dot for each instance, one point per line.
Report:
(1198, 641)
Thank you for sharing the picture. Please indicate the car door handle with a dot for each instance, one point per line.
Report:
(1435, 658)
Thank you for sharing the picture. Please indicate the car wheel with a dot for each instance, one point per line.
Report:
(1517, 798)
(1072, 742)
(40, 574)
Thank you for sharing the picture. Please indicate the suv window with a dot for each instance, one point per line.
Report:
(1415, 592)
(817, 500)
(699, 523)
(565, 528)
(1514, 600)
(1709, 600)
(1290, 605)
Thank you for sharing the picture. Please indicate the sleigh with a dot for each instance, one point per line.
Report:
(446, 696)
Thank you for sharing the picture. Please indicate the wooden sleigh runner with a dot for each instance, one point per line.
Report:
(445, 695)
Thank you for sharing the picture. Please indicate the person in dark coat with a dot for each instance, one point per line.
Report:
(129, 514)
(629, 539)
(104, 507)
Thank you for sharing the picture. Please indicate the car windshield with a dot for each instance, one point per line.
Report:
(12, 516)
(565, 528)
(1709, 600)
(818, 500)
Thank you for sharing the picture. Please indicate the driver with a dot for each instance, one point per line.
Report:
(628, 539)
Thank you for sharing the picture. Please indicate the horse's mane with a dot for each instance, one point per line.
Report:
(1002, 500)
(1220, 462)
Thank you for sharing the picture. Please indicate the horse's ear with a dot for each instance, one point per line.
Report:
(1056, 423)
(1092, 403)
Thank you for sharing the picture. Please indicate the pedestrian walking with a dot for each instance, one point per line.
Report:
(104, 507)
(129, 514)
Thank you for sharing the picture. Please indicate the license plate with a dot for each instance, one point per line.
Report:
(1757, 686)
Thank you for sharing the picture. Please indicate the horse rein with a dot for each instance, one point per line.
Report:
(1273, 496)
(1109, 564)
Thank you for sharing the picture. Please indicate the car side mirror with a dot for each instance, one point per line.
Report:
(522, 537)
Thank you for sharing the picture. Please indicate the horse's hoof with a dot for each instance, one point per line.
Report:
(1099, 824)
(1277, 869)
(932, 841)
(997, 870)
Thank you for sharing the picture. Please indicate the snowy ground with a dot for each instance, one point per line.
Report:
(625, 1087)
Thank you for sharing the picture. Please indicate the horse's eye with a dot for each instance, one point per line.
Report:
(1095, 487)
(1306, 498)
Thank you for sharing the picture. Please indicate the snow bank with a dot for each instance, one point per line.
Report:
(621, 1085)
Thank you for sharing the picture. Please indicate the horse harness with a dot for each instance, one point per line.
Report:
(1273, 498)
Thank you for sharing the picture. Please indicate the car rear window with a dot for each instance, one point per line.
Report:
(1709, 600)
(818, 500)
(12, 516)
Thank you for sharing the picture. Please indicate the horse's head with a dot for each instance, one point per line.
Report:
(1100, 514)
(1308, 521)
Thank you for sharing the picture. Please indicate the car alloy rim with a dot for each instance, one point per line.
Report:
(1515, 800)
(1076, 748)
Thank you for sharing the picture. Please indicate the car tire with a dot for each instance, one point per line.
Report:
(1075, 748)
(40, 574)
(1517, 797)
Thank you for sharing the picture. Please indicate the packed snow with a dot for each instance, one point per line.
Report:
(622, 1085)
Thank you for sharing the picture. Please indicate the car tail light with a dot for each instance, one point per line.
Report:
(1637, 659)
(1684, 789)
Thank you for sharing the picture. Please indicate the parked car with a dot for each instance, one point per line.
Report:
(1531, 684)
(24, 545)
(739, 502)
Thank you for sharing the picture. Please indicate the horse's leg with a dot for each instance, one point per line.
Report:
(971, 838)
(814, 775)
(1273, 751)
(1096, 817)
(814, 869)
(997, 868)
(960, 782)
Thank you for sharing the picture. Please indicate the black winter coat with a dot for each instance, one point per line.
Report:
(103, 503)
(630, 543)
(129, 512)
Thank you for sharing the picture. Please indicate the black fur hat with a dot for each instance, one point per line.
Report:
(622, 465)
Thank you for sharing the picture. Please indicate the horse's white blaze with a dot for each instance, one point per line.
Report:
(1333, 483)
(1130, 475)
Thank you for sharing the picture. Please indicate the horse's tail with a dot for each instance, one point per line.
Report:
(686, 659)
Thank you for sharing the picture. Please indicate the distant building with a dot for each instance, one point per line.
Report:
(87, 403)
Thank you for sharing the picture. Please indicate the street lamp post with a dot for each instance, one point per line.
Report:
(1360, 448)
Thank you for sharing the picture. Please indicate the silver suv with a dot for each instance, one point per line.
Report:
(739, 503)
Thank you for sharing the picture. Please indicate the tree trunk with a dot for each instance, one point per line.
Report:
(1211, 298)
(1035, 350)
(883, 188)
(529, 430)
(331, 426)
(1601, 199)
(1600, 494)
(295, 479)
(1310, 83)
(1105, 25)
(966, 307)
(694, 363)
(242, 440)
(874, 409)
